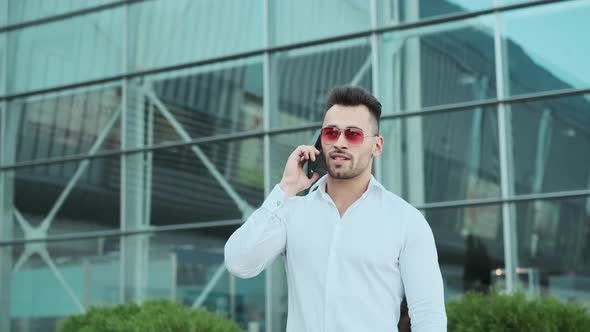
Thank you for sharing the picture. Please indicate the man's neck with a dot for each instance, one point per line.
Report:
(344, 192)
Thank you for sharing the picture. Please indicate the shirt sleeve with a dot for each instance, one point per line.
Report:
(421, 277)
(256, 244)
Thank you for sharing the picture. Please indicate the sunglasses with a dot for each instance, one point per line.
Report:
(353, 136)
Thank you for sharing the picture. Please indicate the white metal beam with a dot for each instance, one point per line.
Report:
(242, 205)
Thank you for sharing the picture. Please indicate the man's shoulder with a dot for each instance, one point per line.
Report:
(398, 205)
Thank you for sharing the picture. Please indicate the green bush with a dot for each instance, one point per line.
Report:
(494, 312)
(151, 316)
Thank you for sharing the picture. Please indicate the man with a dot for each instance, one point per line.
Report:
(352, 249)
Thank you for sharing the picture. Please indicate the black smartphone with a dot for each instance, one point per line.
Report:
(317, 166)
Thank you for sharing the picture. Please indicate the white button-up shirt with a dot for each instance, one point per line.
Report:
(345, 274)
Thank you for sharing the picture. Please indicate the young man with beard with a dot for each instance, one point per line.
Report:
(351, 249)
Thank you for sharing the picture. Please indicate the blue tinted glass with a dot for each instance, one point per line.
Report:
(550, 140)
(436, 65)
(66, 51)
(27, 10)
(545, 48)
(297, 21)
(164, 33)
(392, 12)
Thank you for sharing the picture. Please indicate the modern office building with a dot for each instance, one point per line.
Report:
(136, 136)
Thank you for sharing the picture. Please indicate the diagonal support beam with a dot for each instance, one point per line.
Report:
(45, 256)
(243, 206)
(41, 231)
(80, 170)
(210, 285)
(22, 260)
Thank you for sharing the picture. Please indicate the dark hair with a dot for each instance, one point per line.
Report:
(354, 96)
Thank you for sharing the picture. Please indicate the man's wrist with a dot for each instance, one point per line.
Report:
(288, 189)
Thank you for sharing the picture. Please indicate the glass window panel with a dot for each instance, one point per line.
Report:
(71, 197)
(437, 65)
(184, 188)
(301, 79)
(304, 20)
(27, 10)
(74, 122)
(469, 241)
(205, 101)
(553, 241)
(443, 156)
(550, 140)
(89, 269)
(164, 33)
(392, 12)
(541, 57)
(3, 13)
(183, 263)
(67, 51)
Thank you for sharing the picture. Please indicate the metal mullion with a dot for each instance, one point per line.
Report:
(375, 77)
(508, 225)
(266, 100)
(119, 233)
(123, 161)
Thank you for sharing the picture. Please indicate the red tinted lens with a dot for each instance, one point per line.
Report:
(354, 135)
(330, 135)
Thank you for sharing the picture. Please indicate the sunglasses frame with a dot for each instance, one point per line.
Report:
(341, 131)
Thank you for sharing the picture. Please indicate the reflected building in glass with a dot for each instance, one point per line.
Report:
(136, 136)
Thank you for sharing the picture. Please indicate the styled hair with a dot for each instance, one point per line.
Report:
(354, 96)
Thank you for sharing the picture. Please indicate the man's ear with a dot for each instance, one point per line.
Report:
(378, 146)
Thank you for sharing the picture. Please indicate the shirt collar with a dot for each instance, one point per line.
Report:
(320, 185)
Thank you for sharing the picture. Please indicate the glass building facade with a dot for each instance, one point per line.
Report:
(136, 136)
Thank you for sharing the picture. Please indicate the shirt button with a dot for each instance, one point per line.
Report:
(278, 203)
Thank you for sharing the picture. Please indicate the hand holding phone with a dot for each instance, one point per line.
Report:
(295, 178)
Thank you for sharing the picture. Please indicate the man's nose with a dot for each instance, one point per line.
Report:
(341, 142)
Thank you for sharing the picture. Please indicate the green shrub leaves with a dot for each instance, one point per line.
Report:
(151, 316)
(494, 312)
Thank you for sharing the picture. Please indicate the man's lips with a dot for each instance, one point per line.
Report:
(339, 158)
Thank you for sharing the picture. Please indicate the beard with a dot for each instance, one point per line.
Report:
(353, 168)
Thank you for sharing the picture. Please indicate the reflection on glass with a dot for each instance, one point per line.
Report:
(164, 33)
(210, 182)
(221, 99)
(183, 264)
(61, 279)
(304, 20)
(302, 79)
(442, 157)
(68, 197)
(3, 15)
(72, 123)
(553, 244)
(27, 10)
(469, 245)
(541, 57)
(66, 51)
(550, 140)
(437, 65)
(392, 12)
